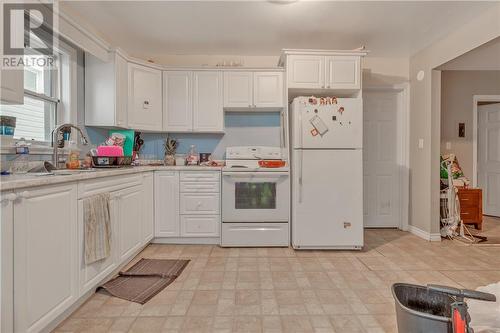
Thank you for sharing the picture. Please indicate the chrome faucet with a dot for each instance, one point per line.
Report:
(55, 145)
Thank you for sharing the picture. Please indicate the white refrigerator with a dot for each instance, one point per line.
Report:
(327, 173)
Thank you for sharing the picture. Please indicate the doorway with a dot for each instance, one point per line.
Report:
(487, 151)
(385, 175)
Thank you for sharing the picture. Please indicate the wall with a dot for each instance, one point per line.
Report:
(241, 129)
(457, 90)
(425, 113)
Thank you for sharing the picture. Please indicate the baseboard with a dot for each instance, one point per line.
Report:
(432, 237)
(187, 240)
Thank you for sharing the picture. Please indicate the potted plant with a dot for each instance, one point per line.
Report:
(170, 146)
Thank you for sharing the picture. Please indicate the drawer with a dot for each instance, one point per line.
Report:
(108, 184)
(200, 187)
(200, 203)
(469, 200)
(469, 215)
(254, 234)
(200, 176)
(200, 225)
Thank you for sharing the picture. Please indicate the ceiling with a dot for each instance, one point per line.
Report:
(151, 28)
(484, 57)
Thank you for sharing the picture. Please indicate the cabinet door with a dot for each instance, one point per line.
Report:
(238, 89)
(208, 114)
(166, 204)
(45, 255)
(130, 212)
(148, 218)
(268, 89)
(12, 86)
(7, 262)
(177, 101)
(121, 94)
(343, 72)
(144, 98)
(306, 71)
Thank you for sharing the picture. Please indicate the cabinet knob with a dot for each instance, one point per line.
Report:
(25, 194)
(249, 105)
(198, 204)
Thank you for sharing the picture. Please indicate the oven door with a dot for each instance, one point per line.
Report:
(255, 197)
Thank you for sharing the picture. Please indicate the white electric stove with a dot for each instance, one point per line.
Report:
(255, 200)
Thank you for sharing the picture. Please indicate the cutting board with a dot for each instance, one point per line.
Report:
(128, 146)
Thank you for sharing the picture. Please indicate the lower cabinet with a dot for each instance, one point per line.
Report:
(129, 210)
(187, 204)
(166, 204)
(45, 255)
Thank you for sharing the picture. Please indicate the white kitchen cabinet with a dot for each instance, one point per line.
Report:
(45, 255)
(208, 113)
(200, 225)
(106, 91)
(343, 72)
(144, 98)
(238, 89)
(177, 101)
(320, 71)
(253, 90)
(199, 203)
(148, 217)
(7, 262)
(268, 89)
(92, 274)
(166, 204)
(306, 71)
(129, 212)
(12, 86)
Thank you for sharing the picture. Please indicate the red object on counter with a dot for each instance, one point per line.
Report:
(271, 163)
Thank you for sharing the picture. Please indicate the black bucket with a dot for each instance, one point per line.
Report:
(419, 310)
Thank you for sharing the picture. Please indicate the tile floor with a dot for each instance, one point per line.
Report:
(281, 290)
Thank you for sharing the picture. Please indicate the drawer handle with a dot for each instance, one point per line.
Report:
(464, 199)
(465, 213)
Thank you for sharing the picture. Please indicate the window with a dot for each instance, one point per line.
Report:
(49, 96)
(36, 118)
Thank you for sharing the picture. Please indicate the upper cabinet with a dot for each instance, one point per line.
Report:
(12, 86)
(343, 72)
(106, 91)
(307, 72)
(323, 71)
(253, 90)
(208, 114)
(144, 98)
(177, 101)
(192, 101)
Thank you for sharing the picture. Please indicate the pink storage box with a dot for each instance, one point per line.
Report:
(109, 151)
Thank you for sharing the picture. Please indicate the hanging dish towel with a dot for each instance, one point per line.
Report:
(97, 227)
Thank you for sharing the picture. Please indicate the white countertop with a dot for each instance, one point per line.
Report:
(14, 182)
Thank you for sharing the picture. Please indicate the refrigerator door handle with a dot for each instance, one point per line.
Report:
(300, 175)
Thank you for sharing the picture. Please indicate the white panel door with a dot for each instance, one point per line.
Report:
(238, 89)
(381, 174)
(488, 157)
(144, 98)
(45, 255)
(208, 112)
(343, 72)
(130, 212)
(306, 71)
(167, 204)
(268, 89)
(327, 204)
(177, 101)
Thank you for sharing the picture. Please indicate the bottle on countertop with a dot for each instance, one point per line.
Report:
(21, 163)
(73, 160)
(192, 156)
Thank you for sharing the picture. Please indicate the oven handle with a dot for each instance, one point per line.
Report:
(255, 175)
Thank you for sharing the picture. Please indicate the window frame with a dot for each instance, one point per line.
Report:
(64, 85)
